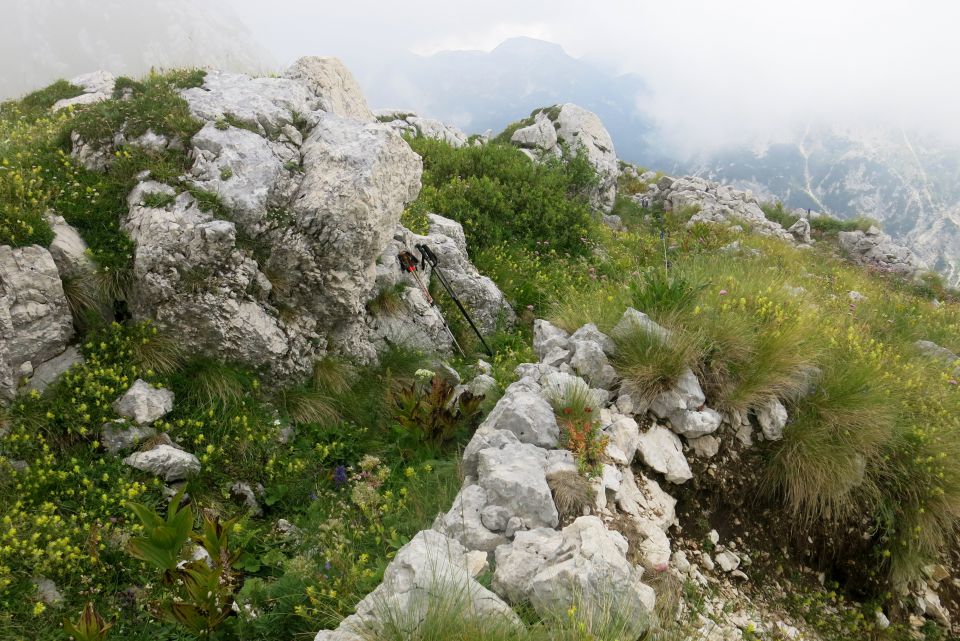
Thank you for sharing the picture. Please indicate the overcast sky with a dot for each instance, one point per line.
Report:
(719, 70)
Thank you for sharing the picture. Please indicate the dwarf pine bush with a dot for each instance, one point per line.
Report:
(500, 195)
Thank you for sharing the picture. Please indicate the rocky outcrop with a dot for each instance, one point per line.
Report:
(96, 86)
(314, 190)
(714, 202)
(571, 129)
(409, 123)
(429, 567)
(35, 320)
(877, 249)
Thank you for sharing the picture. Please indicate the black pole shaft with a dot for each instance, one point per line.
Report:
(446, 286)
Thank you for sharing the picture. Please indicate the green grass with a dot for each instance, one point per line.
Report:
(650, 365)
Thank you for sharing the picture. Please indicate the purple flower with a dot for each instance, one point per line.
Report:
(340, 476)
(326, 566)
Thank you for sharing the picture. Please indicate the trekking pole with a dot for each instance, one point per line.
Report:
(408, 263)
(431, 258)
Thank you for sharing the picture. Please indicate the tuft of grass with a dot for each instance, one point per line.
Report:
(826, 465)
(571, 493)
(388, 301)
(650, 365)
(158, 200)
(84, 298)
(304, 404)
(777, 213)
(205, 382)
(159, 352)
(598, 305)
(744, 360)
(658, 292)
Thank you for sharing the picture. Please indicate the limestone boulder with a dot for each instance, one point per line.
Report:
(662, 451)
(515, 478)
(165, 461)
(527, 415)
(333, 86)
(428, 566)
(35, 320)
(144, 403)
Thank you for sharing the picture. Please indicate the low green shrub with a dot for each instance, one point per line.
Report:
(499, 195)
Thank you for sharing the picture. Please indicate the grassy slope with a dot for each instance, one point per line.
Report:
(528, 228)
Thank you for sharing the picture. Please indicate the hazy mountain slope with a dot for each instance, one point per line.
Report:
(911, 184)
(43, 40)
(479, 90)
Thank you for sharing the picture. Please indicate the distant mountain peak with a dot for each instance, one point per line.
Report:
(524, 46)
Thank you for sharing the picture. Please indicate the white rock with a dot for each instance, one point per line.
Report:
(165, 461)
(464, 521)
(633, 320)
(705, 446)
(590, 362)
(514, 478)
(593, 574)
(662, 451)
(527, 414)
(728, 561)
(35, 320)
(625, 434)
(144, 403)
(772, 417)
(430, 564)
(547, 337)
(49, 371)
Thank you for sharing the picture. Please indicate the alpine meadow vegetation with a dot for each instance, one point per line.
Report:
(348, 465)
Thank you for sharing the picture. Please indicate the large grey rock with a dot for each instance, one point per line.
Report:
(574, 129)
(463, 522)
(480, 295)
(357, 179)
(35, 320)
(288, 277)
(428, 570)
(527, 414)
(118, 436)
(624, 432)
(800, 230)
(633, 320)
(68, 249)
(49, 371)
(333, 85)
(644, 499)
(165, 461)
(662, 451)
(548, 337)
(591, 334)
(518, 562)
(144, 403)
(932, 350)
(265, 104)
(716, 204)
(695, 424)
(590, 362)
(244, 169)
(873, 247)
(593, 573)
(515, 478)
(485, 437)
